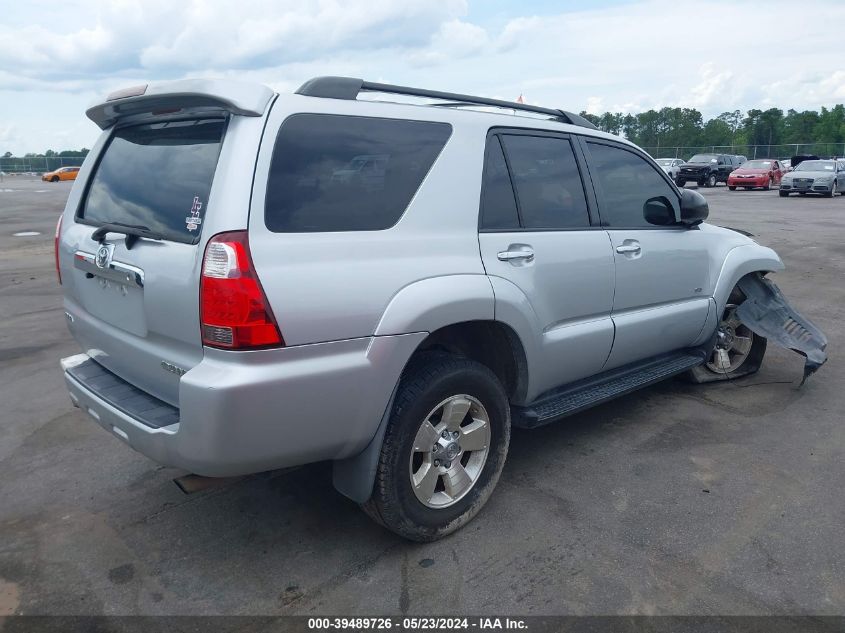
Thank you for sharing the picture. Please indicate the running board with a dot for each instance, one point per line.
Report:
(589, 392)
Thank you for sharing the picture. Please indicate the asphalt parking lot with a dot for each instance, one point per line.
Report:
(680, 499)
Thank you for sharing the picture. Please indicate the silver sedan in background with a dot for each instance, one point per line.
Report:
(671, 166)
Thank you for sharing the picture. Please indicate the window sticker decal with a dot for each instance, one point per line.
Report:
(193, 221)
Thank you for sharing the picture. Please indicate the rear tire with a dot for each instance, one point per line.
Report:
(739, 353)
(680, 182)
(434, 388)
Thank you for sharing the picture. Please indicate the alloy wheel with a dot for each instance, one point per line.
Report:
(733, 343)
(449, 452)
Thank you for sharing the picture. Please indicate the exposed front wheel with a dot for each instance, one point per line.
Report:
(783, 194)
(738, 351)
(768, 185)
(680, 182)
(444, 448)
(832, 191)
(711, 181)
(731, 187)
(54, 179)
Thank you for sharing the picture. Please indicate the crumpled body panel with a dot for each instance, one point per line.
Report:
(767, 313)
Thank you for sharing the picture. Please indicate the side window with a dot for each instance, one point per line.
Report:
(498, 206)
(347, 173)
(547, 181)
(633, 193)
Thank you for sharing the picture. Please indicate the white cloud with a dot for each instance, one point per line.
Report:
(57, 57)
(713, 89)
(454, 40)
(595, 105)
(167, 38)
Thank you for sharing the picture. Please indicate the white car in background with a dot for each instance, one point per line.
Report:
(672, 166)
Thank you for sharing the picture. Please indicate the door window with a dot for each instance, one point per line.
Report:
(633, 193)
(549, 190)
(347, 173)
(498, 205)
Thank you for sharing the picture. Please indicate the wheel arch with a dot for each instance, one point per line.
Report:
(740, 262)
(489, 342)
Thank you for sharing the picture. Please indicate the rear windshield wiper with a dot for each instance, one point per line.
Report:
(131, 231)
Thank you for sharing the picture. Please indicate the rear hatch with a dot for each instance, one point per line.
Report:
(131, 250)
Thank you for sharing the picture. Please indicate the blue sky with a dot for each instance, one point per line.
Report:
(58, 57)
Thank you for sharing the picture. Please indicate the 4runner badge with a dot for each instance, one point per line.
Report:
(173, 369)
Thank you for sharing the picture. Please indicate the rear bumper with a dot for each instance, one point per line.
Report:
(245, 412)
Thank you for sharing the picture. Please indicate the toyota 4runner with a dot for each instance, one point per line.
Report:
(261, 280)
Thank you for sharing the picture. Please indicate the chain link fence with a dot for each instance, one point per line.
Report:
(823, 150)
(37, 164)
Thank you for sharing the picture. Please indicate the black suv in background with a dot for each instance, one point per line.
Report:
(708, 169)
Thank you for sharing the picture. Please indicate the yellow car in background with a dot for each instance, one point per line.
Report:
(63, 173)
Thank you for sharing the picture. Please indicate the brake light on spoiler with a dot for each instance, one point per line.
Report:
(234, 311)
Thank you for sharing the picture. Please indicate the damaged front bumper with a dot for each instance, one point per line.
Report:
(767, 313)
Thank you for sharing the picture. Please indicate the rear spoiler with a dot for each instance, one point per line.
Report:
(247, 99)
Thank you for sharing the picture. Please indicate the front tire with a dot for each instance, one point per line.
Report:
(429, 484)
(768, 185)
(711, 181)
(783, 194)
(54, 179)
(832, 191)
(731, 187)
(738, 352)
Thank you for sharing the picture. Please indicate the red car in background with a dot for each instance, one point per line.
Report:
(764, 173)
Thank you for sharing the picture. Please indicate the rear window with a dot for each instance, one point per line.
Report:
(345, 173)
(157, 176)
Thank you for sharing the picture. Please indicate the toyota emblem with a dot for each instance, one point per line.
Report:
(103, 256)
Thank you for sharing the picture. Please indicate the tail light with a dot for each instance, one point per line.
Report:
(234, 312)
(56, 248)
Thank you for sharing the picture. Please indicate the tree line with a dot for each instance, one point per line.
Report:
(67, 153)
(686, 127)
(47, 161)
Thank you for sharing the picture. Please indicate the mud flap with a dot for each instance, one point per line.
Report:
(767, 313)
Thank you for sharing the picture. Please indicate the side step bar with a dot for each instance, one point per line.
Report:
(584, 394)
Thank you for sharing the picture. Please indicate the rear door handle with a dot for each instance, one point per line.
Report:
(516, 252)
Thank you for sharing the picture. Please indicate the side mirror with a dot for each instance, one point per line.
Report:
(659, 211)
(694, 209)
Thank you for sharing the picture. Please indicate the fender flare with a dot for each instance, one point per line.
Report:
(430, 304)
(739, 262)
(423, 306)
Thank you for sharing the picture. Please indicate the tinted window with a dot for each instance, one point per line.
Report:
(344, 173)
(547, 181)
(627, 181)
(158, 176)
(498, 206)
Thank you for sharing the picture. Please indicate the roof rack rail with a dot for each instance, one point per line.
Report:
(349, 87)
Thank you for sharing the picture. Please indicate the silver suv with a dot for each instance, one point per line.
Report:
(262, 280)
